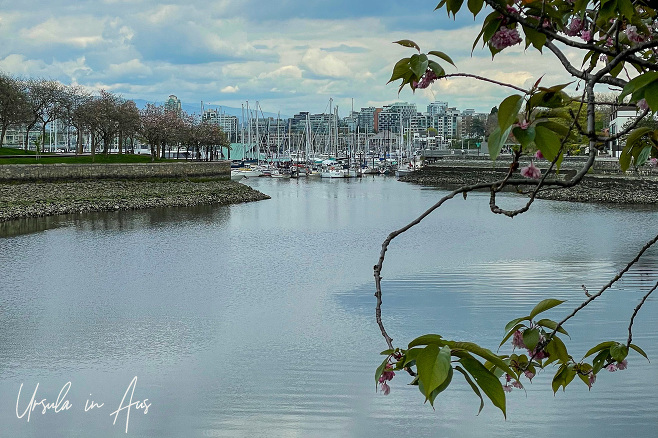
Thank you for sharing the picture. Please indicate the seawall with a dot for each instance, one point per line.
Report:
(59, 172)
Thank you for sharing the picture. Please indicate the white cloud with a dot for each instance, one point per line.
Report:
(325, 64)
(230, 89)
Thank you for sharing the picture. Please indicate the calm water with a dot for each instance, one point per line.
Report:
(258, 319)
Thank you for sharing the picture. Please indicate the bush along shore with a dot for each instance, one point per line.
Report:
(35, 199)
(597, 188)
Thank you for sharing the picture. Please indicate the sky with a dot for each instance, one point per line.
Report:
(290, 55)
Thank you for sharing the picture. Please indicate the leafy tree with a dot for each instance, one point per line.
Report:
(612, 36)
(13, 104)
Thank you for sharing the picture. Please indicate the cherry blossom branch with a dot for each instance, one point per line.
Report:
(635, 312)
(482, 78)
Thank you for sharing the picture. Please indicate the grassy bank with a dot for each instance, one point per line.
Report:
(32, 158)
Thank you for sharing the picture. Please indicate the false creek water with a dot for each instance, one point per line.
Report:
(258, 319)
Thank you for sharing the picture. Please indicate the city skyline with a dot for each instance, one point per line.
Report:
(291, 57)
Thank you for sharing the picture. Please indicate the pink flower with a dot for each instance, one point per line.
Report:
(574, 27)
(539, 355)
(386, 390)
(426, 80)
(586, 35)
(507, 388)
(623, 364)
(592, 378)
(631, 33)
(529, 374)
(642, 104)
(539, 155)
(517, 384)
(653, 162)
(612, 368)
(531, 171)
(505, 37)
(523, 124)
(517, 340)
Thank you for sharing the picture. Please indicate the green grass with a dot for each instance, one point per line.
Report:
(82, 159)
(15, 151)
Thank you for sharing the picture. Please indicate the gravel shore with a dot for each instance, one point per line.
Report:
(597, 188)
(46, 199)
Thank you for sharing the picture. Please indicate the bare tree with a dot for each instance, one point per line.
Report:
(13, 104)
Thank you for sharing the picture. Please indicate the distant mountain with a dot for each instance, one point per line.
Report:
(196, 109)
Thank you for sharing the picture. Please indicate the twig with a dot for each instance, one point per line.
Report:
(637, 309)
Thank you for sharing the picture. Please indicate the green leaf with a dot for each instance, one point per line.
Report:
(639, 350)
(625, 157)
(557, 351)
(387, 352)
(600, 360)
(380, 370)
(474, 387)
(485, 354)
(643, 156)
(418, 64)
(636, 134)
(454, 6)
(497, 141)
(599, 347)
(558, 378)
(525, 136)
(411, 355)
(475, 6)
(551, 325)
(531, 338)
(544, 305)
(618, 352)
(487, 381)
(433, 365)
(508, 111)
(436, 68)
(617, 69)
(514, 322)
(400, 69)
(442, 387)
(626, 8)
(537, 39)
(651, 95)
(427, 340)
(407, 43)
(638, 83)
(442, 56)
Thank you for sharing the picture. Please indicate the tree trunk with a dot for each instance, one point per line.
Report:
(2, 135)
(120, 142)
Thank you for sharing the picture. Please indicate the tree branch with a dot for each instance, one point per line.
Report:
(635, 312)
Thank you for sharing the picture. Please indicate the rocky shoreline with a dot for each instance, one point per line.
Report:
(594, 188)
(25, 200)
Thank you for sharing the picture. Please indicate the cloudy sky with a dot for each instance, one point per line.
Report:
(290, 55)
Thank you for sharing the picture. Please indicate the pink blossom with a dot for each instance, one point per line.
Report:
(539, 155)
(507, 388)
(386, 390)
(631, 33)
(592, 378)
(523, 124)
(623, 364)
(426, 80)
(517, 384)
(517, 340)
(586, 35)
(531, 171)
(642, 104)
(505, 37)
(539, 355)
(575, 26)
(387, 374)
(612, 368)
(529, 374)
(653, 162)
(609, 42)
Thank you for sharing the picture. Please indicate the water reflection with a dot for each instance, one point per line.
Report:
(257, 319)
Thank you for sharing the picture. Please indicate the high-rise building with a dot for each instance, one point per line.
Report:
(173, 104)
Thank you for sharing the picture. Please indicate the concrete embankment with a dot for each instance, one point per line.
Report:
(605, 184)
(33, 199)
